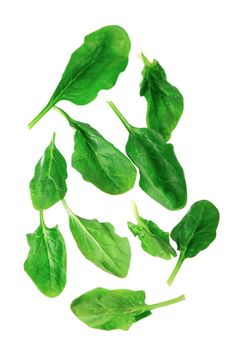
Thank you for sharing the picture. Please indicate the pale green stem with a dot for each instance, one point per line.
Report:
(175, 271)
(68, 210)
(120, 116)
(42, 220)
(64, 114)
(40, 115)
(136, 212)
(166, 303)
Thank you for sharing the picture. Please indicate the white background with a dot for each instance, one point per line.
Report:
(193, 41)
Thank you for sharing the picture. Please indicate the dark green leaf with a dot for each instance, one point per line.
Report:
(98, 161)
(94, 66)
(48, 185)
(46, 262)
(165, 103)
(195, 232)
(153, 240)
(114, 309)
(99, 243)
(161, 175)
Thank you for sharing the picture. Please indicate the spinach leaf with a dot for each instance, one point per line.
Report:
(48, 185)
(94, 66)
(161, 175)
(99, 243)
(153, 240)
(46, 263)
(98, 161)
(195, 232)
(114, 309)
(165, 103)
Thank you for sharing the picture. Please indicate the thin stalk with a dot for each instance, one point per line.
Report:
(64, 114)
(136, 212)
(120, 116)
(175, 271)
(166, 303)
(40, 115)
(42, 220)
(68, 210)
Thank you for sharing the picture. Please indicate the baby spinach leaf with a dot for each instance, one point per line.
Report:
(161, 175)
(195, 232)
(99, 161)
(48, 185)
(153, 240)
(99, 243)
(94, 66)
(46, 263)
(114, 309)
(165, 103)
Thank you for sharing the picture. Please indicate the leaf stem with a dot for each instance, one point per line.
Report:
(120, 116)
(136, 212)
(64, 114)
(175, 271)
(68, 210)
(40, 115)
(42, 220)
(166, 303)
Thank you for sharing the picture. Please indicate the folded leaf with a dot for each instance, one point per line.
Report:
(165, 103)
(195, 232)
(48, 185)
(99, 243)
(153, 240)
(94, 66)
(161, 175)
(114, 309)
(46, 262)
(99, 161)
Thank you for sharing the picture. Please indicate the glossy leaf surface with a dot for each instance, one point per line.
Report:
(46, 262)
(154, 241)
(99, 161)
(94, 66)
(161, 175)
(164, 101)
(99, 243)
(48, 185)
(114, 309)
(195, 232)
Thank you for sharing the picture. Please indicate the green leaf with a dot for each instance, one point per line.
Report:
(195, 232)
(94, 66)
(98, 161)
(114, 309)
(165, 103)
(48, 185)
(46, 263)
(161, 175)
(153, 240)
(99, 243)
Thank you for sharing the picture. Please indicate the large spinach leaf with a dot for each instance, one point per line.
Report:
(99, 161)
(47, 261)
(161, 175)
(153, 240)
(94, 66)
(195, 232)
(48, 185)
(164, 101)
(114, 309)
(99, 243)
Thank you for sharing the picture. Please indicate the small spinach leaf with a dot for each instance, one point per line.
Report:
(99, 243)
(195, 232)
(114, 309)
(46, 263)
(153, 240)
(94, 66)
(48, 185)
(165, 103)
(161, 175)
(99, 161)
